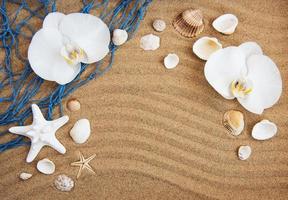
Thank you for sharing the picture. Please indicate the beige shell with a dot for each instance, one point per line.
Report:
(24, 176)
(64, 183)
(189, 23)
(159, 25)
(73, 105)
(233, 121)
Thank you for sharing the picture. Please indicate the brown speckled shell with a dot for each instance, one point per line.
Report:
(189, 23)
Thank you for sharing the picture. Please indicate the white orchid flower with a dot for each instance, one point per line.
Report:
(64, 42)
(244, 73)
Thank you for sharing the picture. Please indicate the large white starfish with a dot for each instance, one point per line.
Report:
(41, 132)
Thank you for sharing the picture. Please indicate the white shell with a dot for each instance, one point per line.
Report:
(159, 25)
(73, 105)
(205, 46)
(24, 176)
(171, 61)
(46, 166)
(150, 42)
(81, 131)
(244, 152)
(119, 36)
(64, 183)
(264, 130)
(226, 24)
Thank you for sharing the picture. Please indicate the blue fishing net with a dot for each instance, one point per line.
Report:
(19, 85)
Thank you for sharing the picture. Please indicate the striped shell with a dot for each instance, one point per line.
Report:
(189, 23)
(233, 121)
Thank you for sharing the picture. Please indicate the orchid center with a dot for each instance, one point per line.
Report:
(73, 54)
(241, 88)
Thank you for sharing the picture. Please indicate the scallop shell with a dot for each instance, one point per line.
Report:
(264, 130)
(205, 46)
(225, 24)
(159, 25)
(46, 166)
(189, 23)
(233, 121)
(73, 105)
(171, 61)
(244, 152)
(24, 176)
(81, 131)
(119, 36)
(150, 42)
(64, 183)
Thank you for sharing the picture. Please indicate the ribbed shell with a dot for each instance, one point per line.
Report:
(189, 23)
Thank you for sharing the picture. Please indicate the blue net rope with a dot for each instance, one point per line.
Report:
(19, 85)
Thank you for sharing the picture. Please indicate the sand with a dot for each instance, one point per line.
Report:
(157, 133)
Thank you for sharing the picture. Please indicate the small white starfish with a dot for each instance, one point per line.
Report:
(41, 133)
(83, 164)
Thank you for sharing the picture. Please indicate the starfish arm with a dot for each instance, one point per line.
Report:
(55, 144)
(90, 158)
(20, 130)
(87, 166)
(34, 150)
(79, 171)
(37, 114)
(57, 123)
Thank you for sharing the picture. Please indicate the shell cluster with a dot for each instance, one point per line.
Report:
(189, 23)
(233, 121)
(64, 183)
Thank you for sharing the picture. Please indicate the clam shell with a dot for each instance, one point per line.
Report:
(46, 166)
(150, 42)
(159, 25)
(244, 152)
(73, 105)
(225, 24)
(233, 121)
(24, 176)
(81, 131)
(264, 130)
(119, 36)
(205, 46)
(64, 183)
(189, 23)
(171, 61)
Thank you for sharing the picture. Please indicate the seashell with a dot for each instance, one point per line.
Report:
(73, 105)
(24, 176)
(119, 36)
(205, 46)
(233, 121)
(244, 152)
(46, 166)
(81, 131)
(150, 42)
(159, 25)
(171, 61)
(189, 23)
(64, 183)
(225, 24)
(264, 130)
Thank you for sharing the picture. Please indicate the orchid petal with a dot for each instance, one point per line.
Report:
(250, 48)
(90, 33)
(45, 58)
(223, 67)
(52, 20)
(267, 84)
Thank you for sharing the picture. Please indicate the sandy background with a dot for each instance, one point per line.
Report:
(157, 134)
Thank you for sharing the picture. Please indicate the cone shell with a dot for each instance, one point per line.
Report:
(233, 121)
(189, 23)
